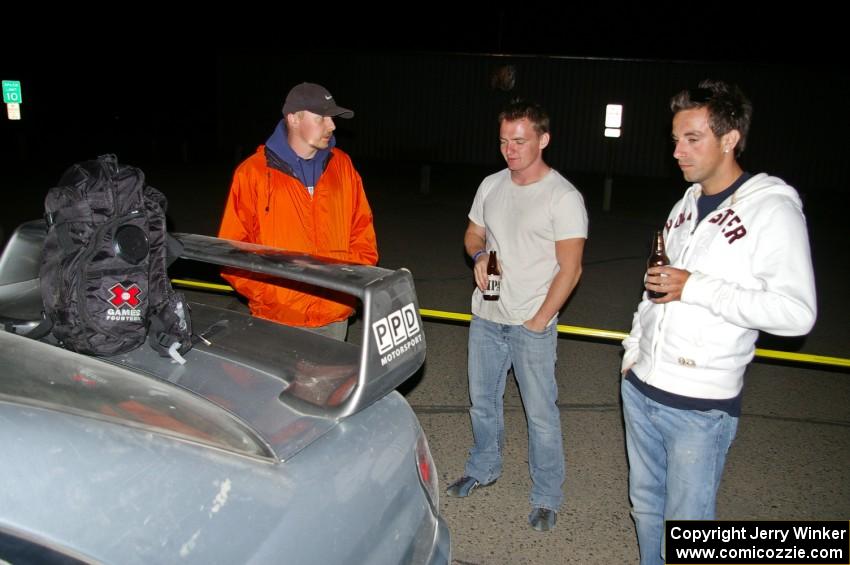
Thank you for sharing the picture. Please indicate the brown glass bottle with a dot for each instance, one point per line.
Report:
(494, 278)
(658, 258)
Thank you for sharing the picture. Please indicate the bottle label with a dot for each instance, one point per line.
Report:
(494, 285)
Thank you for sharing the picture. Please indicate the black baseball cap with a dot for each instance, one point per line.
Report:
(314, 98)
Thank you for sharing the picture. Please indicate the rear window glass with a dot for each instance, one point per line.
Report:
(42, 375)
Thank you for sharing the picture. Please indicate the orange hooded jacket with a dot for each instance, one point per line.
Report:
(270, 207)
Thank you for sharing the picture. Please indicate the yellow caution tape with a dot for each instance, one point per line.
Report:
(577, 330)
(202, 284)
(574, 330)
(619, 336)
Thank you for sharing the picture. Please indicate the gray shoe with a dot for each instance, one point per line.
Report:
(462, 487)
(542, 519)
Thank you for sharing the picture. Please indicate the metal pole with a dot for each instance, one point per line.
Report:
(607, 188)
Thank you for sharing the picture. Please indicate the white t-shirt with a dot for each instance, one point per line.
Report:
(522, 224)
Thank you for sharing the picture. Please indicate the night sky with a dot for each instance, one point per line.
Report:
(96, 78)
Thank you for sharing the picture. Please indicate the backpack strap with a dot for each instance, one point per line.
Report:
(27, 328)
(171, 324)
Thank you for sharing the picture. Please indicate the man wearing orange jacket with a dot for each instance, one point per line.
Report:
(300, 193)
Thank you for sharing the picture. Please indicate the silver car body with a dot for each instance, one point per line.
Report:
(270, 445)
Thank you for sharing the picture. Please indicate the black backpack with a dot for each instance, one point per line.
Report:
(103, 273)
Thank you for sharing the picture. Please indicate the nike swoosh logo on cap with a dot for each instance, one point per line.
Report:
(328, 97)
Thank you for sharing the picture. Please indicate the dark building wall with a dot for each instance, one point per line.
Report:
(189, 110)
(441, 108)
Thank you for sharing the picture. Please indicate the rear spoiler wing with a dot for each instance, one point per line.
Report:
(392, 344)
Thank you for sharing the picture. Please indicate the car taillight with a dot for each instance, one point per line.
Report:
(427, 471)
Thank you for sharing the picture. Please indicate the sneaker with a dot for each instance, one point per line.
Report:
(462, 487)
(542, 519)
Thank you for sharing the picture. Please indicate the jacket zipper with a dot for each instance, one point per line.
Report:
(659, 327)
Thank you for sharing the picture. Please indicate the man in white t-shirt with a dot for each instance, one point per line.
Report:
(536, 222)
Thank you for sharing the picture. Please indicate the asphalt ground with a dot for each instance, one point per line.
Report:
(789, 461)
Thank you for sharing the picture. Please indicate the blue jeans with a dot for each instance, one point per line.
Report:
(676, 459)
(493, 348)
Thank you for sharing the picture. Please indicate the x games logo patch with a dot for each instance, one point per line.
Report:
(125, 303)
(125, 296)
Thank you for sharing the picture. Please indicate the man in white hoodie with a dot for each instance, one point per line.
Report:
(739, 263)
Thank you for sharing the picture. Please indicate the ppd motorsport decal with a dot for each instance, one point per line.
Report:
(397, 333)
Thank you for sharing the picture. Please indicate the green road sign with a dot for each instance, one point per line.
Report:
(12, 92)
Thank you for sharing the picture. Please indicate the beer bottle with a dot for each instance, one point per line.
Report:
(494, 278)
(658, 258)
